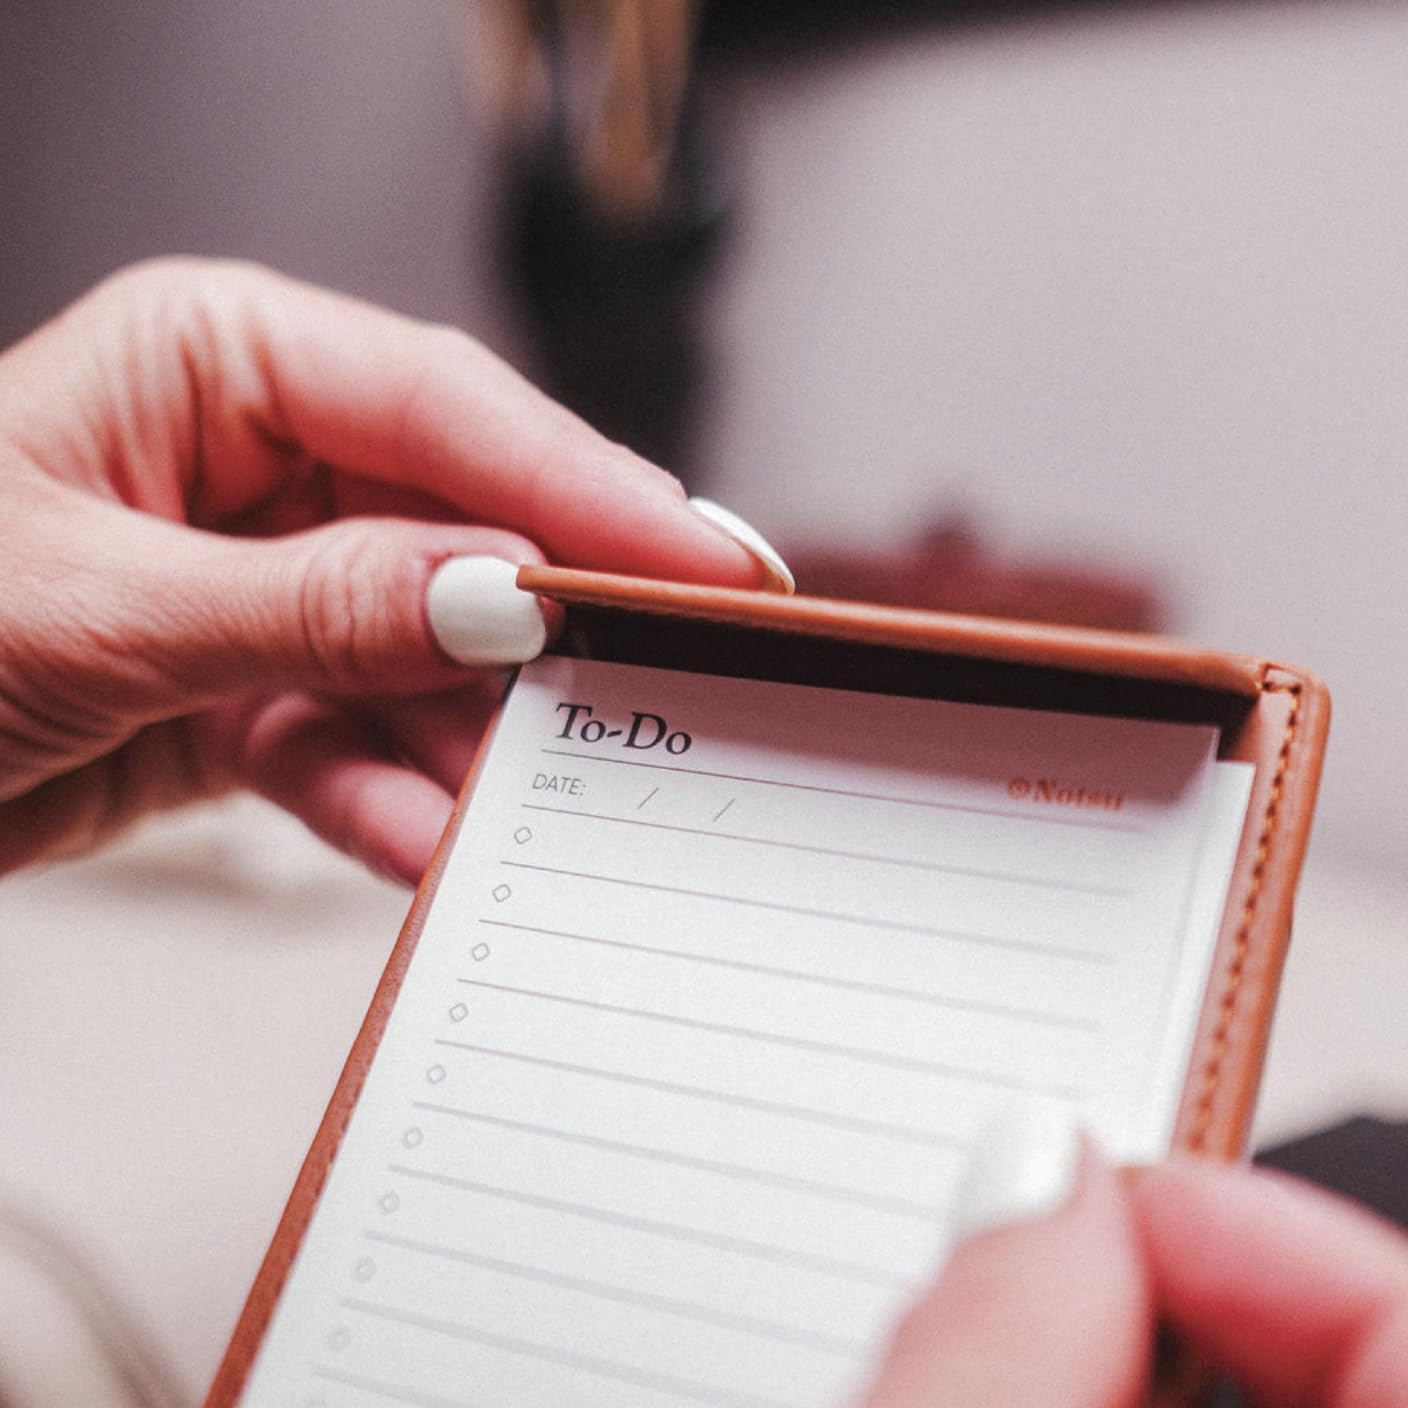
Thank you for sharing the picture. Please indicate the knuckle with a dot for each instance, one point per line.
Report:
(181, 274)
(188, 295)
(165, 286)
(345, 622)
(450, 341)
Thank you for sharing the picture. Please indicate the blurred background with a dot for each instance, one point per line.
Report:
(1097, 313)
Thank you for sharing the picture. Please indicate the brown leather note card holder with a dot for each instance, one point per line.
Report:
(752, 911)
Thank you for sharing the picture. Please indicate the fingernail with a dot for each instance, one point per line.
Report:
(1023, 1166)
(479, 616)
(779, 575)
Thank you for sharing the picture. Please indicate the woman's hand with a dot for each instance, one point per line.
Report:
(225, 497)
(1299, 1297)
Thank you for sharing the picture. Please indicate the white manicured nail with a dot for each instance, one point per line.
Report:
(779, 578)
(1023, 1166)
(480, 617)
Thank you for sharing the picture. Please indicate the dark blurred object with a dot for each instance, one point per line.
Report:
(613, 211)
(745, 29)
(948, 568)
(610, 300)
(1365, 1159)
(614, 202)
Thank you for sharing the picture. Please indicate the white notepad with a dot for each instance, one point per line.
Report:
(721, 978)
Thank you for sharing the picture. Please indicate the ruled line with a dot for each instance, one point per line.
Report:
(1035, 1015)
(394, 1393)
(569, 1359)
(932, 867)
(672, 1231)
(1008, 813)
(851, 1123)
(774, 1330)
(875, 1202)
(1077, 955)
(856, 1053)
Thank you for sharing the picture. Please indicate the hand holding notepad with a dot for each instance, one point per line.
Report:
(1295, 1295)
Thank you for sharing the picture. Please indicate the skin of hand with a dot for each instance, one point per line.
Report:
(1300, 1297)
(225, 494)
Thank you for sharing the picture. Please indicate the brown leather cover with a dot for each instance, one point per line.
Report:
(1272, 716)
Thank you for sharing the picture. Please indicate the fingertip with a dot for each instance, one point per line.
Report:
(328, 768)
(776, 576)
(361, 606)
(402, 852)
(1023, 1166)
(634, 518)
(1043, 1297)
(480, 617)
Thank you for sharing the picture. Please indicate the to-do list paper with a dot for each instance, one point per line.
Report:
(720, 980)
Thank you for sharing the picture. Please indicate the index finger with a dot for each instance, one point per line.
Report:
(218, 381)
(428, 408)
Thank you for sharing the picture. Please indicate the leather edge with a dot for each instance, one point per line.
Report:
(1028, 643)
(274, 1270)
(1229, 1049)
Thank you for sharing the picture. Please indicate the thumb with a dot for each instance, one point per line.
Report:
(1042, 1299)
(155, 619)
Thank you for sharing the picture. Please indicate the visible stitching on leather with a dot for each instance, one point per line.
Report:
(1236, 971)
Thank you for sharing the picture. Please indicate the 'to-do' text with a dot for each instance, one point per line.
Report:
(645, 731)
